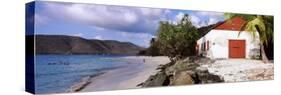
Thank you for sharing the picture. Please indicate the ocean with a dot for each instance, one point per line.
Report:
(57, 73)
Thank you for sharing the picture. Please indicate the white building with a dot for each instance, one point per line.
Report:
(223, 41)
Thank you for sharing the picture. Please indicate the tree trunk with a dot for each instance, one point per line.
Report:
(263, 54)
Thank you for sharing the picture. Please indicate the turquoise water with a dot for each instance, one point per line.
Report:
(57, 73)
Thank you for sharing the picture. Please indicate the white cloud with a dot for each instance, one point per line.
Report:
(137, 35)
(79, 34)
(200, 19)
(178, 17)
(99, 28)
(210, 14)
(195, 20)
(145, 37)
(41, 19)
(213, 21)
(203, 18)
(98, 37)
(112, 17)
(213, 17)
(154, 13)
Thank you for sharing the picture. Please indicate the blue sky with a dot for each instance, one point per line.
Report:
(127, 24)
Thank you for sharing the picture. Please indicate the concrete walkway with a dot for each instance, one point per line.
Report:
(237, 70)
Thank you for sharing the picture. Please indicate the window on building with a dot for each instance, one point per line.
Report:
(208, 45)
(204, 46)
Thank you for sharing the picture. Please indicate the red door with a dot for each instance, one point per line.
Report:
(237, 48)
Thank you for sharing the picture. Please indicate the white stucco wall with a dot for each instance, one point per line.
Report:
(218, 46)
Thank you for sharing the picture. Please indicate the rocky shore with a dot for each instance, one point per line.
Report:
(191, 70)
(198, 70)
(183, 72)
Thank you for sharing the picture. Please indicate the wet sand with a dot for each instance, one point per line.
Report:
(123, 78)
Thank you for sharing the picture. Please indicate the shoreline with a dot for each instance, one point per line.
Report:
(122, 78)
(189, 71)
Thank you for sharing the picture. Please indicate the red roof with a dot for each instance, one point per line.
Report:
(234, 24)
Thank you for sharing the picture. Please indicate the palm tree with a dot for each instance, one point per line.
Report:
(262, 24)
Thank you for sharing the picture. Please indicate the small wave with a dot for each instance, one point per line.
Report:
(78, 71)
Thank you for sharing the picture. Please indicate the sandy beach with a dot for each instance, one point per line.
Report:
(239, 70)
(123, 78)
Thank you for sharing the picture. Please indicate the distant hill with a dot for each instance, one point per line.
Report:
(60, 44)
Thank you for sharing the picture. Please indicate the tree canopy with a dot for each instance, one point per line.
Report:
(177, 40)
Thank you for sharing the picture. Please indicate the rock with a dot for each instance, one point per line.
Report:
(160, 67)
(170, 70)
(205, 77)
(183, 72)
(202, 70)
(163, 67)
(181, 65)
(160, 79)
(182, 78)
